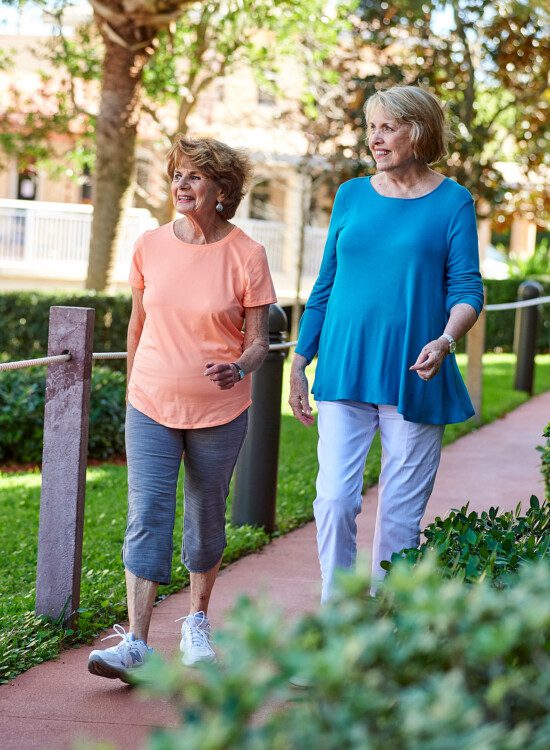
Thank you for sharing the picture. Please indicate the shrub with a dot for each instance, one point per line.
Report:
(472, 545)
(430, 664)
(22, 414)
(545, 467)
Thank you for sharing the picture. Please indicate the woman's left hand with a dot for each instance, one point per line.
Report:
(430, 359)
(224, 375)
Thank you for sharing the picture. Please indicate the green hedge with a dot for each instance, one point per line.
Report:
(500, 324)
(24, 316)
(22, 413)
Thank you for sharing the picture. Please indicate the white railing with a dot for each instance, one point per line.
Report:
(51, 240)
(314, 244)
(44, 241)
(270, 234)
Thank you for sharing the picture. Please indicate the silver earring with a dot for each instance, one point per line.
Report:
(219, 207)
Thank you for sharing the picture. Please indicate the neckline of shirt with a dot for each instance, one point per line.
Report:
(395, 198)
(204, 246)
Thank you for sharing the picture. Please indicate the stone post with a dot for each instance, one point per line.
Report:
(64, 463)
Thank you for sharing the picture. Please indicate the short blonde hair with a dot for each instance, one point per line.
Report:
(423, 111)
(230, 168)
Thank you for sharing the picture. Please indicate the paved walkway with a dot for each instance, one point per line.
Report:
(54, 704)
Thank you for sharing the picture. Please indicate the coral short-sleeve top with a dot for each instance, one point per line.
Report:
(194, 299)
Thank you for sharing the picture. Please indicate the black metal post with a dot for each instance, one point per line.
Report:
(525, 336)
(255, 494)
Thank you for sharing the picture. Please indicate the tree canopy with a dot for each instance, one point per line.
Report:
(488, 62)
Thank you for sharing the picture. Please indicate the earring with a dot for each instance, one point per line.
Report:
(219, 207)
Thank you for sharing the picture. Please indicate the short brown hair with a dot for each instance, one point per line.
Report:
(423, 111)
(230, 168)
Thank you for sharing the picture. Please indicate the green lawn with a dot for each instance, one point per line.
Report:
(25, 640)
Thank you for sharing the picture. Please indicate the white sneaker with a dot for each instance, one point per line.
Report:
(195, 640)
(118, 661)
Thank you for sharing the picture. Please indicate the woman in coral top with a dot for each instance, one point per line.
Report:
(195, 283)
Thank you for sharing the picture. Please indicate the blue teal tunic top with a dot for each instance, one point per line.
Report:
(392, 270)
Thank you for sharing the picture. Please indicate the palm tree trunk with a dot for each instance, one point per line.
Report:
(116, 136)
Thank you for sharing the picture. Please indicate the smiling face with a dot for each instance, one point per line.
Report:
(389, 141)
(193, 191)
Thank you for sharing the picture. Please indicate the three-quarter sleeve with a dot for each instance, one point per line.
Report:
(462, 277)
(313, 318)
(135, 279)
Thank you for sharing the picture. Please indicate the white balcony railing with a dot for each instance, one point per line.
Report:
(50, 241)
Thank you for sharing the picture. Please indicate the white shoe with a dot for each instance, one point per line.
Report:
(195, 640)
(118, 661)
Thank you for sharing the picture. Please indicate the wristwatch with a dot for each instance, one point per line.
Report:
(240, 371)
(452, 342)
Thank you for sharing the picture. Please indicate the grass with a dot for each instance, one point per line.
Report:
(26, 640)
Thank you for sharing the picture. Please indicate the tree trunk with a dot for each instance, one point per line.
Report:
(116, 136)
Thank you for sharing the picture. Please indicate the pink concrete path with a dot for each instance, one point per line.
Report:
(53, 705)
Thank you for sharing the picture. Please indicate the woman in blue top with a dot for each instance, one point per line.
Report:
(398, 286)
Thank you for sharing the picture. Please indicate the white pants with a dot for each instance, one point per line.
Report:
(410, 459)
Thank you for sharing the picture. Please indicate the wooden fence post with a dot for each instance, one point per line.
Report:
(65, 450)
(475, 345)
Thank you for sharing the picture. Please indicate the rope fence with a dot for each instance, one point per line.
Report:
(99, 356)
(517, 305)
(34, 362)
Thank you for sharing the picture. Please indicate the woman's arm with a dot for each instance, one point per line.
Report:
(316, 307)
(255, 348)
(135, 328)
(299, 391)
(463, 290)
(462, 318)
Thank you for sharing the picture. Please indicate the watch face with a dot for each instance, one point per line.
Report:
(452, 347)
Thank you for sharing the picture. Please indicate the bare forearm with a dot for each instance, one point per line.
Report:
(256, 339)
(135, 328)
(255, 348)
(132, 341)
(253, 355)
(430, 359)
(299, 362)
(461, 319)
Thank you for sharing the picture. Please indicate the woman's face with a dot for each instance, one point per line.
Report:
(194, 192)
(389, 141)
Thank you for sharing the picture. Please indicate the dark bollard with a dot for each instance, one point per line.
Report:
(255, 494)
(525, 336)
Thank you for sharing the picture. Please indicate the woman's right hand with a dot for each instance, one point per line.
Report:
(299, 391)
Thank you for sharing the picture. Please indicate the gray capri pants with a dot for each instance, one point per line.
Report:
(154, 454)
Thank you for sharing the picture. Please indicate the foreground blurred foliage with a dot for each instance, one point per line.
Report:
(429, 663)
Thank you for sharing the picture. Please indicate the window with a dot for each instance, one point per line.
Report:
(27, 183)
(267, 199)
